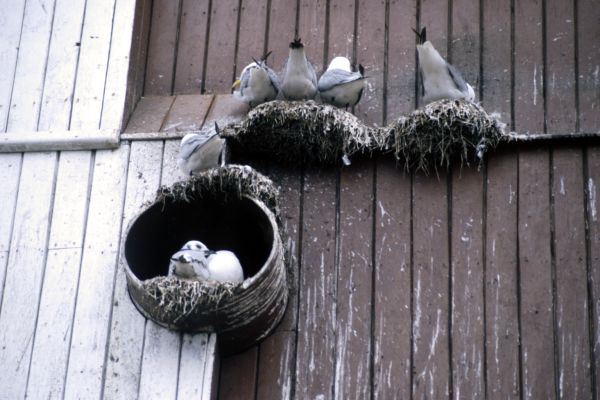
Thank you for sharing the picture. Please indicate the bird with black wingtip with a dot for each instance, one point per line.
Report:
(257, 83)
(299, 79)
(339, 85)
(439, 79)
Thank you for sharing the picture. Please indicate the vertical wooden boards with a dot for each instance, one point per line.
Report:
(537, 344)
(401, 65)
(277, 352)
(221, 47)
(127, 324)
(341, 31)
(316, 316)
(592, 186)
(149, 114)
(282, 23)
(31, 66)
(91, 324)
(115, 110)
(354, 284)
(370, 51)
(501, 280)
(11, 21)
(572, 333)
(191, 47)
(588, 65)
(431, 374)
(162, 47)
(25, 270)
(93, 64)
(198, 367)
(251, 38)
(238, 375)
(10, 170)
(312, 31)
(61, 68)
(393, 291)
(57, 305)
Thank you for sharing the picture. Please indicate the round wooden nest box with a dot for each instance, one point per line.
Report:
(221, 208)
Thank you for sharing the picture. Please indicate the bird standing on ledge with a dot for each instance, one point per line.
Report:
(439, 79)
(299, 77)
(257, 84)
(339, 85)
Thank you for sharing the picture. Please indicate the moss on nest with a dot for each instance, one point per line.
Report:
(292, 132)
(443, 132)
(431, 137)
(231, 180)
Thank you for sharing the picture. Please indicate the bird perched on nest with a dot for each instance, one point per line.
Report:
(190, 261)
(201, 151)
(339, 85)
(439, 79)
(257, 83)
(299, 80)
(224, 266)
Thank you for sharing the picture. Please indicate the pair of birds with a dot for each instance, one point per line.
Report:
(195, 261)
(339, 85)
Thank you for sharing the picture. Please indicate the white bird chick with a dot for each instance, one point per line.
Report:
(339, 85)
(299, 77)
(201, 151)
(439, 79)
(224, 266)
(184, 265)
(257, 83)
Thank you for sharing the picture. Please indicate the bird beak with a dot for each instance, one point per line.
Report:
(236, 84)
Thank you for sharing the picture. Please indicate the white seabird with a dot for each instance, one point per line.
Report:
(439, 79)
(299, 80)
(185, 265)
(201, 151)
(257, 83)
(224, 266)
(339, 85)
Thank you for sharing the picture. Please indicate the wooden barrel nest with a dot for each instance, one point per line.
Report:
(233, 208)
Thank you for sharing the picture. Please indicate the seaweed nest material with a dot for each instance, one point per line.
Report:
(230, 180)
(297, 131)
(431, 137)
(444, 132)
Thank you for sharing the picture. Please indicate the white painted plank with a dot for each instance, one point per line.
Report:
(10, 169)
(31, 66)
(94, 295)
(57, 304)
(25, 272)
(197, 366)
(11, 21)
(58, 140)
(93, 60)
(171, 172)
(160, 363)
(127, 329)
(64, 50)
(118, 65)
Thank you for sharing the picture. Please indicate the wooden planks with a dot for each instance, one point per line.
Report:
(251, 35)
(220, 66)
(187, 113)
(588, 65)
(592, 173)
(241, 369)
(150, 114)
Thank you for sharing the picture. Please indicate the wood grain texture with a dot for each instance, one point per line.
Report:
(162, 48)
(31, 66)
(467, 284)
(149, 114)
(11, 22)
(592, 185)
(187, 113)
(393, 269)
(237, 379)
(588, 65)
(501, 277)
(221, 47)
(25, 270)
(191, 46)
(572, 333)
(127, 324)
(61, 67)
(312, 31)
(318, 278)
(251, 36)
(91, 324)
(10, 170)
(537, 345)
(197, 367)
(282, 24)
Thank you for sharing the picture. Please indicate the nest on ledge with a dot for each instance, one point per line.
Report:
(431, 137)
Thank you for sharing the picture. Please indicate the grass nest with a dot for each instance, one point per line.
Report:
(303, 131)
(428, 138)
(230, 180)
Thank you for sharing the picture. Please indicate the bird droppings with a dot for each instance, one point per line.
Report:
(429, 138)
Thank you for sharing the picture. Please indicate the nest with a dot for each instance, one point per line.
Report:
(432, 137)
(303, 131)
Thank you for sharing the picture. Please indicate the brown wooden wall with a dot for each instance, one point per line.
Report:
(468, 284)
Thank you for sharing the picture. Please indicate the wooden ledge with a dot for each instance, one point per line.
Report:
(17, 142)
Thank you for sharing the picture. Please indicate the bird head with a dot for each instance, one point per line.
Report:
(421, 36)
(194, 245)
(183, 259)
(340, 63)
(297, 43)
